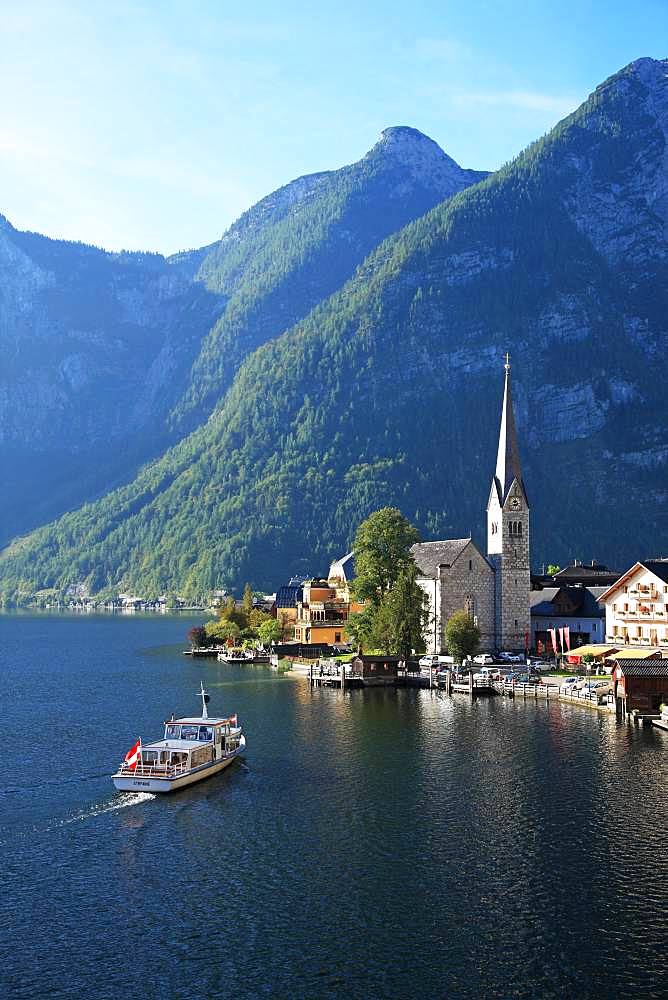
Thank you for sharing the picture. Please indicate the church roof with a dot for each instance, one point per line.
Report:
(508, 467)
(430, 555)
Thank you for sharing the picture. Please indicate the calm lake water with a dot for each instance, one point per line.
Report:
(373, 844)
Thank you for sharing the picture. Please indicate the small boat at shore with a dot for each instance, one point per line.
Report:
(243, 656)
(194, 748)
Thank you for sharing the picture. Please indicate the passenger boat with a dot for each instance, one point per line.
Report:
(235, 656)
(193, 749)
(243, 656)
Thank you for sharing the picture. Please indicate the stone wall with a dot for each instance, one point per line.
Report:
(469, 585)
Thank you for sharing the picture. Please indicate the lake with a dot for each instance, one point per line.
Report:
(387, 843)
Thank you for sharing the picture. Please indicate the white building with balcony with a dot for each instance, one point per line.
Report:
(636, 606)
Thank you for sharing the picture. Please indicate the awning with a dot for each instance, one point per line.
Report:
(597, 650)
(636, 653)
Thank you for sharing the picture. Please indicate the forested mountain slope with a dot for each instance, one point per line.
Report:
(389, 392)
(301, 243)
(95, 347)
(108, 357)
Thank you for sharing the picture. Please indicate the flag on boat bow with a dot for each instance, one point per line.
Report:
(233, 720)
(133, 755)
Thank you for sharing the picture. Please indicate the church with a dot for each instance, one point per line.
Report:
(493, 588)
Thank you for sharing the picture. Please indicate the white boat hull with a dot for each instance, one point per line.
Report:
(126, 782)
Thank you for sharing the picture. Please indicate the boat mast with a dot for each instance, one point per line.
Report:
(205, 698)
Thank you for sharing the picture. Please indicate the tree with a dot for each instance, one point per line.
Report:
(197, 637)
(247, 601)
(270, 631)
(402, 616)
(360, 627)
(222, 631)
(462, 635)
(553, 569)
(228, 613)
(382, 550)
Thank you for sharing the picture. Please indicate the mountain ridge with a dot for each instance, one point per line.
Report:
(388, 392)
(112, 343)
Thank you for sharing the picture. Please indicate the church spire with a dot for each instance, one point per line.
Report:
(508, 466)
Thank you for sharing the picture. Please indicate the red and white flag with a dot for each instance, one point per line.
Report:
(567, 637)
(561, 639)
(233, 720)
(133, 755)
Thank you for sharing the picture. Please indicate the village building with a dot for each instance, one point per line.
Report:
(494, 587)
(640, 684)
(636, 606)
(591, 574)
(575, 608)
(287, 599)
(324, 606)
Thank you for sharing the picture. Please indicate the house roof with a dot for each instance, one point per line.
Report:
(585, 602)
(659, 567)
(287, 597)
(577, 573)
(430, 555)
(643, 668)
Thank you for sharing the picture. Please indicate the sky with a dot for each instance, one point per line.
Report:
(152, 125)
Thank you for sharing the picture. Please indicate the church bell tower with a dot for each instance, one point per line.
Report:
(508, 535)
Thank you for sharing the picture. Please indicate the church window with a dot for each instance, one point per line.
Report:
(470, 565)
(516, 623)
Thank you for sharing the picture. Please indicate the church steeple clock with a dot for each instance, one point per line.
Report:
(508, 534)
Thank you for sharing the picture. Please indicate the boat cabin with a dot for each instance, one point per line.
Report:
(188, 744)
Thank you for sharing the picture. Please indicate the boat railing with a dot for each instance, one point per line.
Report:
(154, 770)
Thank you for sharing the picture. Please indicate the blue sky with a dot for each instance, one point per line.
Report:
(154, 125)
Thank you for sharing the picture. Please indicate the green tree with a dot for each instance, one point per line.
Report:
(229, 613)
(462, 636)
(553, 569)
(247, 602)
(360, 627)
(382, 550)
(400, 620)
(270, 631)
(222, 631)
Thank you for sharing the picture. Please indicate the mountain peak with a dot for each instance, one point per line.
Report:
(414, 153)
(405, 143)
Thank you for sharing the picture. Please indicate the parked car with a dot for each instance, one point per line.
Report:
(435, 660)
(568, 685)
(483, 659)
(510, 657)
(528, 679)
(488, 674)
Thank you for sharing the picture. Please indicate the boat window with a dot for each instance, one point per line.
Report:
(149, 756)
(189, 732)
(172, 732)
(205, 733)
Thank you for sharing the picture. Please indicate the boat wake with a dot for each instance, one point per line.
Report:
(120, 801)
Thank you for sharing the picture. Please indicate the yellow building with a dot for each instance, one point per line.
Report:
(323, 611)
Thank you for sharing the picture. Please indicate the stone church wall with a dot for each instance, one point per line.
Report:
(468, 585)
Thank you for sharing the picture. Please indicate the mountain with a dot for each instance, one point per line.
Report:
(93, 345)
(389, 391)
(301, 243)
(110, 357)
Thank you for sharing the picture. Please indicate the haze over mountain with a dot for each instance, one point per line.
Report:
(109, 356)
(388, 391)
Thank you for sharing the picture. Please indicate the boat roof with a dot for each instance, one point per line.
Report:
(175, 744)
(197, 720)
